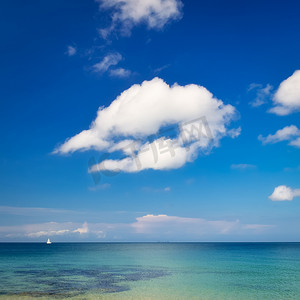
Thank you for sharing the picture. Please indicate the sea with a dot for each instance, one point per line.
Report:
(237, 271)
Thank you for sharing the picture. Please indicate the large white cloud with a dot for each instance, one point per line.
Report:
(143, 110)
(284, 193)
(128, 13)
(288, 133)
(287, 98)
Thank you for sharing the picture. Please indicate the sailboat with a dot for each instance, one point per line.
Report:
(48, 242)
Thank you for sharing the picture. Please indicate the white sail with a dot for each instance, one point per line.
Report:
(48, 241)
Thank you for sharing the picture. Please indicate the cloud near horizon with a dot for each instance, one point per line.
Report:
(126, 14)
(144, 110)
(284, 193)
(148, 228)
(287, 98)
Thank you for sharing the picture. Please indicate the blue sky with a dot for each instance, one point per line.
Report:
(61, 61)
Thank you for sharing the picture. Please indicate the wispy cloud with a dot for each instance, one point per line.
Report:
(109, 60)
(120, 72)
(258, 226)
(289, 133)
(291, 169)
(158, 70)
(262, 93)
(71, 50)
(39, 234)
(98, 187)
(32, 211)
(242, 166)
(156, 190)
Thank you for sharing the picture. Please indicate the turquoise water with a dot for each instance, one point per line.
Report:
(150, 271)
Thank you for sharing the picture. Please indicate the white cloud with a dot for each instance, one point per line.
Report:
(284, 193)
(287, 97)
(120, 72)
(109, 60)
(143, 110)
(83, 229)
(243, 166)
(262, 93)
(288, 133)
(129, 13)
(71, 50)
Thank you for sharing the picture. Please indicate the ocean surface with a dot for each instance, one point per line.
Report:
(150, 271)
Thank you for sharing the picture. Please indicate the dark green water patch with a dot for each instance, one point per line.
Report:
(64, 283)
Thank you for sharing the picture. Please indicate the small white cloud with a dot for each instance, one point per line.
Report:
(242, 166)
(284, 193)
(120, 72)
(108, 61)
(129, 13)
(167, 189)
(262, 93)
(83, 229)
(287, 97)
(71, 50)
(288, 133)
